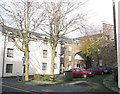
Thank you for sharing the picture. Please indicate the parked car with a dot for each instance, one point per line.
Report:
(99, 70)
(106, 70)
(95, 70)
(79, 72)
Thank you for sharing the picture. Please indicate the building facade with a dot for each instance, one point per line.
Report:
(11, 58)
(106, 54)
(73, 59)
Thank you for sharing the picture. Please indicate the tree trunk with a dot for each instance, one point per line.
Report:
(52, 63)
(27, 62)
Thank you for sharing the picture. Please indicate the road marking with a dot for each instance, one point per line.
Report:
(17, 89)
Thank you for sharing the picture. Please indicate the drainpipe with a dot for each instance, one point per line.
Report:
(4, 56)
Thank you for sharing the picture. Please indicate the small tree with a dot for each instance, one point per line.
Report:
(25, 16)
(91, 46)
(61, 19)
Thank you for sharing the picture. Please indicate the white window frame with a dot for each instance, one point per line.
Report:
(44, 53)
(69, 48)
(69, 58)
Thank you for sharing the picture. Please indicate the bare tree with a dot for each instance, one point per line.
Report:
(25, 16)
(61, 19)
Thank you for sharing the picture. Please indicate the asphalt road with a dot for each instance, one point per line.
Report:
(12, 90)
(89, 86)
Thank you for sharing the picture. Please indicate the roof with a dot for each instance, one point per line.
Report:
(38, 35)
(16, 31)
(89, 36)
(81, 56)
(67, 40)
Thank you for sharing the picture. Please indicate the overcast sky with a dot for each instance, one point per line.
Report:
(98, 11)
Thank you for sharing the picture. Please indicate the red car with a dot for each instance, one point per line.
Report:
(95, 70)
(78, 72)
(106, 70)
(99, 70)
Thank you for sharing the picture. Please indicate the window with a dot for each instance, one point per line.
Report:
(62, 45)
(55, 54)
(72, 70)
(55, 66)
(77, 70)
(69, 67)
(70, 58)
(108, 37)
(10, 39)
(9, 68)
(44, 66)
(45, 41)
(44, 53)
(9, 52)
(62, 55)
(78, 65)
(69, 48)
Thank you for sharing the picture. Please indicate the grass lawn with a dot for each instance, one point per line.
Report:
(43, 82)
(111, 83)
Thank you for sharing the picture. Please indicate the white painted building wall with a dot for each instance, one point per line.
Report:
(36, 58)
(16, 60)
(1, 52)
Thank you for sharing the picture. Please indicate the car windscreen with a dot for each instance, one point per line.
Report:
(103, 68)
(93, 68)
(83, 69)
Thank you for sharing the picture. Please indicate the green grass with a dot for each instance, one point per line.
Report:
(111, 83)
(84, 79)
(43, 82)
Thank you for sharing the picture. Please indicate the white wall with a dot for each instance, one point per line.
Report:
(36, 58)
(16, 60)
(1, 52)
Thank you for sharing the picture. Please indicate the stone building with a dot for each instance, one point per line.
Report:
(72, 59)
(71, 50)
(107, 53)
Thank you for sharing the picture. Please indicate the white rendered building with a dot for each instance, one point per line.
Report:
(11, 58)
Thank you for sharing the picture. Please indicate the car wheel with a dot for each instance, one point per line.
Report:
(84, 76)
(93, 74)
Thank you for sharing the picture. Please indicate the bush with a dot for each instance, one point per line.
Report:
(68, 76)
(36, 76)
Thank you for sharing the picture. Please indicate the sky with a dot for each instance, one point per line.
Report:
(98, 11)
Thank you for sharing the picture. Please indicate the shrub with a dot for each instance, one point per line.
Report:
(36, 76)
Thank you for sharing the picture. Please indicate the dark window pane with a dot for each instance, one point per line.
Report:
(9, 68)
(44, 66)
